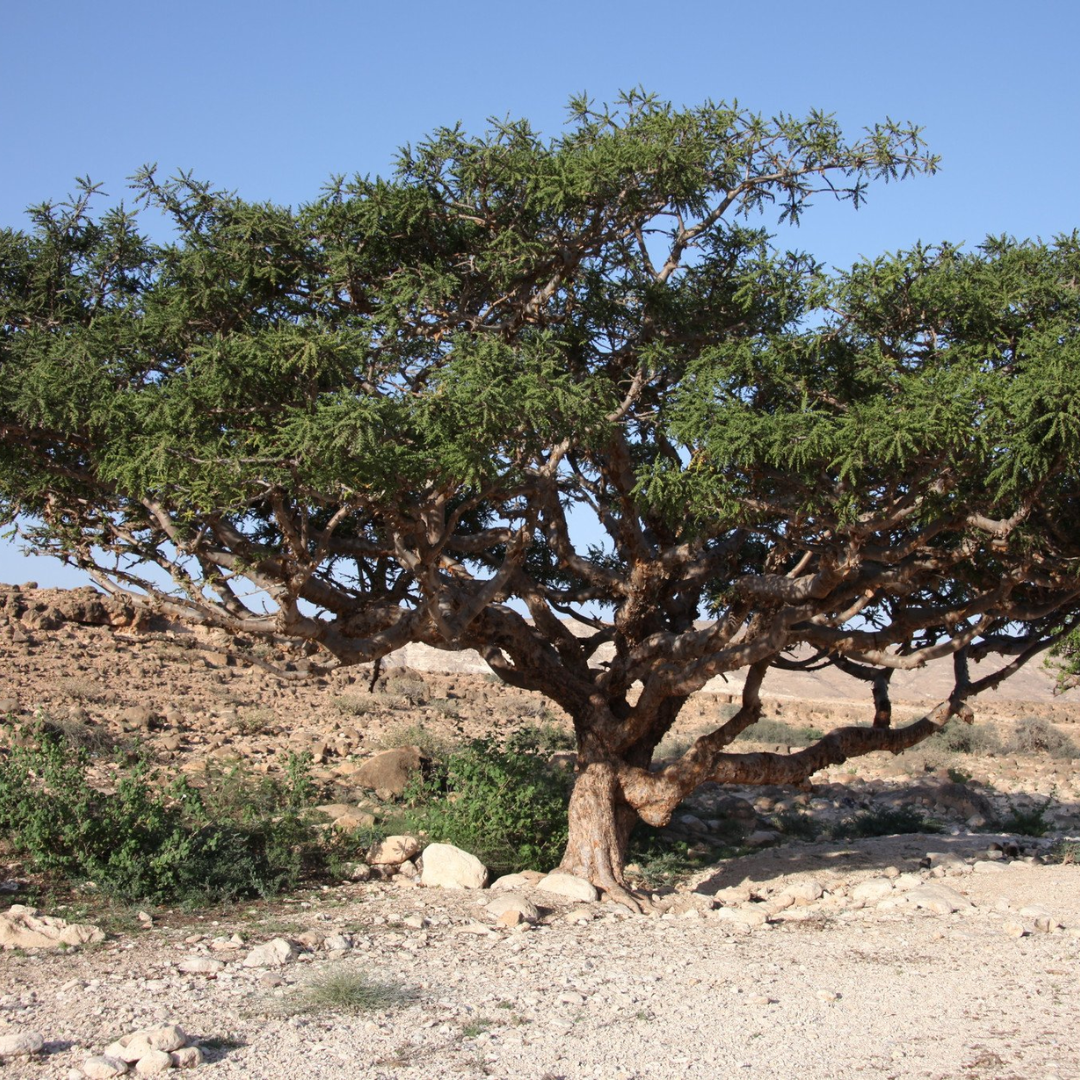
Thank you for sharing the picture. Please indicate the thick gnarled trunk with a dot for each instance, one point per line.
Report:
(600, 823)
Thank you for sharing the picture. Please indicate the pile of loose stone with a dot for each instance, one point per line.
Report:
(149, 1052)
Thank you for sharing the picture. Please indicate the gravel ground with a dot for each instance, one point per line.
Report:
(824, 988)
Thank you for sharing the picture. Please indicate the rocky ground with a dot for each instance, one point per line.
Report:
(950, 955)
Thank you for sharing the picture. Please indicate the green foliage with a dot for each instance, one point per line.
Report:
(503, 803)
(654, 860)
(383, 408)
(1026, 821)
(1066, 852)
(142, 842)
(885, 821)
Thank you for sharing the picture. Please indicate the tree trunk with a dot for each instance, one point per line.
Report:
(600, 822)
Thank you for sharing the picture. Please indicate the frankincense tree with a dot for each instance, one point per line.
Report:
(532, 397)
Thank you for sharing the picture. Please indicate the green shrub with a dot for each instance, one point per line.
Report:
(503, 803)
(885, 821)
(653, 860)
(1030, 821)
(155, 844)
(1066, 852)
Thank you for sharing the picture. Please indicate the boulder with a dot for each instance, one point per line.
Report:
(391, 770)
(937, 898)
(393, 851)
(872, 890)
(452, 868)
(513, 902)
(272, 954)
(516, 881)
(20, 1044)
(568, 885)
(24, 927)
(154, 1063)
(103, 1067)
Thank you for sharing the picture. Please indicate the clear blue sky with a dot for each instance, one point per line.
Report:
(271, 98)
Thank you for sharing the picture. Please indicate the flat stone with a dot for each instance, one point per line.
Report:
(24, 927)
(516, 881)
(103, 1067)
(568, 885)
(515, 902)
(938, 898)
(200, 965)
(987, 866)
(20, 1043)
(805, 892)
(448, 867)
(872, 890)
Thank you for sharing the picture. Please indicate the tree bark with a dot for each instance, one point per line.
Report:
(600, 822)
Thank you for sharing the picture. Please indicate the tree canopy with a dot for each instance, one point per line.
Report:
(534, 396)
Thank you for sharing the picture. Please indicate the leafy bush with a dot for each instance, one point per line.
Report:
(885, 821)
(1033, 735)
(503, 803)
(653, 860)
(146, 843)
(1027, 821)
(1066, 852)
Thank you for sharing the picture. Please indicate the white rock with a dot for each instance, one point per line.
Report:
(985, 866)
(167, 1037)
(393, 851)
(1014, 928)
(938, 898)
(23, 927)
(272, 954)
(805, 892)
(907, 882)
(568, 885)
(200, 965)
(872, 890)
(747, 916)
(1043, 919)
(516, 881)
(451, 868)
(154, 1063)
(187, 1057)
(103, 1067)
(513, 902)
(20, 1043)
